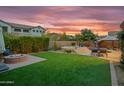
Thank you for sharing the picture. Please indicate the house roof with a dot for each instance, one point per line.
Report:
(21, 25)
(109, 38)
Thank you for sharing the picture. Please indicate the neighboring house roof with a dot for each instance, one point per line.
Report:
(109, 38)
(113, 33)
(22, 25)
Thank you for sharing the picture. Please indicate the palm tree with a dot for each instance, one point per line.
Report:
(121, 38)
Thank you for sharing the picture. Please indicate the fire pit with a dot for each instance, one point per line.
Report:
(12, 59)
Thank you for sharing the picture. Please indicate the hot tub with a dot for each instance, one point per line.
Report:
(12, 59)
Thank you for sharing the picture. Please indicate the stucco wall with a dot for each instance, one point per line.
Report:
(37, 33)
(61, 43)
(4, 24)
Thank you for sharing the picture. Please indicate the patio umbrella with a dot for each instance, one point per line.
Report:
(3, 66)
(2, 45)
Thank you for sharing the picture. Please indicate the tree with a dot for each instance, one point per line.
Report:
(78, 38)
(88, 35)
(122, 25)
(64, 37)
(121, 38)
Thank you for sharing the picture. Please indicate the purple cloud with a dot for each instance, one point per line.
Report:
(108, 18)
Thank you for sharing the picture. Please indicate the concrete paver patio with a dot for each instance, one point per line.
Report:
(32, 60)
(114, 56)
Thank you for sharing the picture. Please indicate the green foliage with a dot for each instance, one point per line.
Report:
(78, 38)
(121, 35)
(121, 38)
(45, 43)
(122, 25)
(24, 44)
(64, 37)
(55, 45)
(87, 35)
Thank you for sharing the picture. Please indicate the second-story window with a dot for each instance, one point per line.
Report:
(26, 30)
(5, 29)
(17, 30)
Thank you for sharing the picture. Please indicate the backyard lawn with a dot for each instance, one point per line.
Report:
(61, 69)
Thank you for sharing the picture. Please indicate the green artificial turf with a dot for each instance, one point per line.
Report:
(61, 69)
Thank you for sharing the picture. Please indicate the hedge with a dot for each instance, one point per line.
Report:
(25, 44)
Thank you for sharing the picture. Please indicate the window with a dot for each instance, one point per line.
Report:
(33, 30)
(5, 29)
(26, 30)
(17, 30)
(37, 30)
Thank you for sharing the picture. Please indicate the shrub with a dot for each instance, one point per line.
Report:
(15, 45)
(55, 45)
(45, 43)
(24, 44)
(37, 44)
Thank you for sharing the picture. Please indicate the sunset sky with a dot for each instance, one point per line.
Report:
(69, 19)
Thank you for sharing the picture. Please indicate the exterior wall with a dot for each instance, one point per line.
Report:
(30, 33)
(109, 44)
(21, 33)
(61, 43)
(37, 31)
(4, 24)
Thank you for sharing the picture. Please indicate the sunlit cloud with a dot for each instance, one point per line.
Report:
(69, 19)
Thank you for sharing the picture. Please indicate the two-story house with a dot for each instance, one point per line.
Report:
(22, 30)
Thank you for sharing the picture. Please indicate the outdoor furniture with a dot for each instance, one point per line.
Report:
(3, 66)
(7, 52)
(99, 51)
(102, 51)
(94, 51)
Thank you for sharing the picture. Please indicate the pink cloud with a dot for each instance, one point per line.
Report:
(70, 19)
